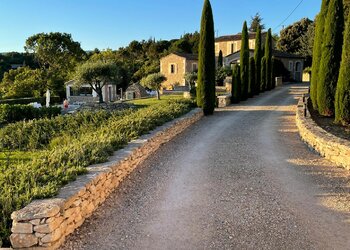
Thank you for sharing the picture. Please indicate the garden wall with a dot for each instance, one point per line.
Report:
(330, 146)
(44, 224)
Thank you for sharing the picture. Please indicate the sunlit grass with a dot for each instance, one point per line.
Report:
(154, 100)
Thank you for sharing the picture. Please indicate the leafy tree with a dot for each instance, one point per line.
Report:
(268, 57)
(330, 60)
(252, 84)
(97, 75)
(191, 78)
(317, 52)
(307, 44)
(291, 36)
(263, 74)
(342, 97)
(236, 84)
(221, 74)
(206, 62)
(244, 60)
(220, 60)
(256, 22)
(257, 57)
(154, 82)
(57, 54)
(22, 82)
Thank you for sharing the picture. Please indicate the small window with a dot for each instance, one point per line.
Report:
(290, 66)
(297, 67)
(172, 68)
(232, 48)
(194, 67)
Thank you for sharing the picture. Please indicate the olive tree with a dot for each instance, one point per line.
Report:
(154, 81)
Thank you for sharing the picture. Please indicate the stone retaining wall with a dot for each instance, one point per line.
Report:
(331, 147)
(44, 224)
(224, 101)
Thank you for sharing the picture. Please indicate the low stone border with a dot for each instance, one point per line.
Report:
(224, 101)
(44, 224)
(330, 146)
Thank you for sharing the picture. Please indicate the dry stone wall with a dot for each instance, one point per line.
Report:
(44, 224)
(331, 147)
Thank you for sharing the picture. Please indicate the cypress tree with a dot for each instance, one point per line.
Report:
(342, 96)
(330, 60)
(244, 61)
(206, 62)
(220, 60)
(236, 84)
(263, 74)
(268, 57)
(317, 51)
(273, 72)
(252, 85)
(257, 57)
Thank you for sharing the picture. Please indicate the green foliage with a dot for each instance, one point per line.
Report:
(13, 113)
(291, 36)
(342, 97)
(49, 170)
(221, 74)
(22, 82)
(307, 44)
(57, 54)
(317, 52)
(206, 62)
(268, 57)
(27, 100)
(220, 60)
(244, 60)
(252, 84)
(256, 23)
(330, 59)
(236, 84)
(97, 74)
(273, 72)
(8, 59)
(263, 74)
(257, 57)
(154, 82)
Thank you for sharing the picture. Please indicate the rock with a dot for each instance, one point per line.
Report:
(22, 228)
(52, 237)
(35, 222)
(23, 240)
(50, 227)
(38, 209)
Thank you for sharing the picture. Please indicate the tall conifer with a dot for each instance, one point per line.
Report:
(252, 85)
(244, 61)
(317, 51)
(263, 74)
(220, 60)
(206, 62)
(331, 56)
(342, 96)
(236, 84)
(257, 57)
(268, 57)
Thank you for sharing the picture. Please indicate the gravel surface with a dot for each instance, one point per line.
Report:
(240, 179)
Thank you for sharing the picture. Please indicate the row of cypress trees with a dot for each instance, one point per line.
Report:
(255, 74)
(330, 83)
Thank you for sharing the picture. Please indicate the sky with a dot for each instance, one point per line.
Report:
(112, 24)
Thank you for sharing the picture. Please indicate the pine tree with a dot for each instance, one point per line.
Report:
(317, 51)
(252, 85)
(263, 74)
(268, 57)
(244, 60)
(206, 62)
(330, 60)
(274, 66)
(220, 60)
(257, 57)
(342, 96)
(236, 84)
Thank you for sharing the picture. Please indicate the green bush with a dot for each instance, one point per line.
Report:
(41, 100)
(13, 113)
(50, 169)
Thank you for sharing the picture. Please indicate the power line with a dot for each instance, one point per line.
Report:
(289, 15)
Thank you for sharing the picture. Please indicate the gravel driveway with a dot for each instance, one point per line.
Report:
(240, 179)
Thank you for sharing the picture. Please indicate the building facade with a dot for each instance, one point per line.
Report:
(174, 67)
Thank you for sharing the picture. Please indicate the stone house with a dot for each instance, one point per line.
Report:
(293, 63)
(86, 94)
(232, 43)
(174, 67)
(135, 91)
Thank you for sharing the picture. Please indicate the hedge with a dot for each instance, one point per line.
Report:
(46, 173)
(41, 100)
(13, 113)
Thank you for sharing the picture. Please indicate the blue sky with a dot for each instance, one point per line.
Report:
(115, 23)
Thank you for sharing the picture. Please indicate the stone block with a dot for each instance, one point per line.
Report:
(52, 237)
(22, 228)
(23, 240)
(50, 227)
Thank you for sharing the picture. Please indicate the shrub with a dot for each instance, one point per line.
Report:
(236, 84)
(41, 100)
(13, 113)
(49, 170)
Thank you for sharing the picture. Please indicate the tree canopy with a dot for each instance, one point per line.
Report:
(255, 22)
(154, 82)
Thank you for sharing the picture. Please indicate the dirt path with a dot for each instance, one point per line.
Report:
(241, 179)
